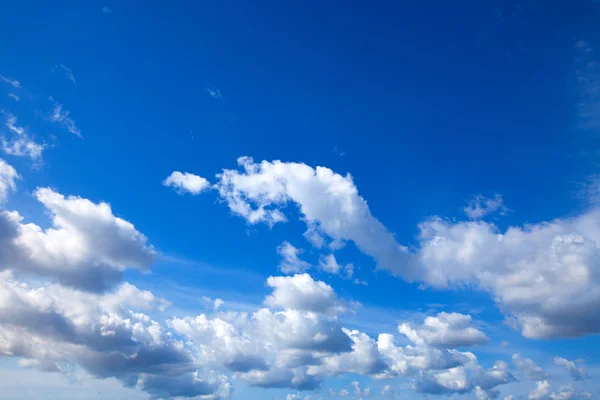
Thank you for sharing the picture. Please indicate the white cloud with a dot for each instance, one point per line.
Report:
(330, 265)
(540, 392)
(481, 394)
(357, 390)
(13, 82)
(23, 147)
(364, 359)
(184, 182)
(290, 262)
(214, 93)
(529, 368)
(8, 176)
(67, 71)
(301, 292)
(217, 304)
(480, 206)
(566, 393)
(13, 96)
(86, 246)
(445, 330)
(575, 372)
(11, 124)
(61, 116)
(387, 391)
(52, 327)
(329, 204)
(106, 10)
(545, 275)
(21, 144)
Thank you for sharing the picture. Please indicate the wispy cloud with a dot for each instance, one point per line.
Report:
(13, 96)
(21, 144)
(61, 116)
(67, 71)
(588, 82)
(214, 93)
(11, 124)
(13, 82)
(23, 147)
(106, 10)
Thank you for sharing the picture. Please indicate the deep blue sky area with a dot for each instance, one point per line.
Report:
(424, 104)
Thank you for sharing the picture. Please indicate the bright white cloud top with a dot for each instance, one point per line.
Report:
(184, 182)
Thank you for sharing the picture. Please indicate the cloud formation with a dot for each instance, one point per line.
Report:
(8, 177)
(480, 206)
(184, 182)
(61, 116)
(544, 276)
(86, 247)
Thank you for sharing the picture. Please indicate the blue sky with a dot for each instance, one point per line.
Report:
(332, 174)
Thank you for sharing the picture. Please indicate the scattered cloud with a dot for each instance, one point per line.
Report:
(214, 93)
(330, 265)
(184, 182)
(61, 116)
(23, 147)
(13, 82)
(106, 10)
(67, 71)
(540, 392)
(529, 368)
(445, 330)
(541, 275)
(575, 372)
(480, 206)
(8, 178)
(13, 96)
(21, 143)
(11, 124)
(291, 263)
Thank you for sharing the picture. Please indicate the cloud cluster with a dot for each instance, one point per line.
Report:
(545, 276)
(329, 203)
(86, 247)
(79, 313)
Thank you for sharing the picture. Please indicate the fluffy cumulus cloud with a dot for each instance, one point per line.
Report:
(86, 247)
(8, 178)
(78, 313)
(52, 327)
(445, 330)
(184, 182)
(329, 204)
(302, 292)
(575, 372)
(544, 276)
(540, 392)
